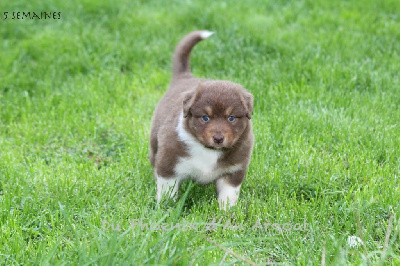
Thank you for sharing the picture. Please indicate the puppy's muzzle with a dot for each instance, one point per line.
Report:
(218, 139)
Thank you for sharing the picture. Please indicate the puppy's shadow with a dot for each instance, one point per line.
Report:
(190, 196)
(198, 194)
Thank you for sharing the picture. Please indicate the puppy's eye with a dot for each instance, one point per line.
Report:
(231, 118)
(205, 118)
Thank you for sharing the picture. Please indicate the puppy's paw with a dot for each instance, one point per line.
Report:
(227, 194)
(167, 187)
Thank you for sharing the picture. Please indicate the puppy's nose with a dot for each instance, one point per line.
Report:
(218, 139)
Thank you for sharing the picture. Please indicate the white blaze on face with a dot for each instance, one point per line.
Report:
(227, 194)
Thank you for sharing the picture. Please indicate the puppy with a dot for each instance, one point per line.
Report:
(201, 130)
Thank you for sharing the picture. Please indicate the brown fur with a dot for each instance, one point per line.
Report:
(195, 98)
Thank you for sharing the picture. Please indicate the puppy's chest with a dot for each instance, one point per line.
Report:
(201, 164)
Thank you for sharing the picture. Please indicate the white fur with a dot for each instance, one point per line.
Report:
(201, 164)
(167, 186)
(227, 194)
(205, 34)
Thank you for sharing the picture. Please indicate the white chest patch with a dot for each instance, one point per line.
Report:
(202, 163)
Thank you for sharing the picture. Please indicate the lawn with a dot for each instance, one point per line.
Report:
(76, 99)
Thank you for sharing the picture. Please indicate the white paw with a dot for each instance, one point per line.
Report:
(167, 187)
(227, 194)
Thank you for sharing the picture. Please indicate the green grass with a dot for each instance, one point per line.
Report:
(76, 100)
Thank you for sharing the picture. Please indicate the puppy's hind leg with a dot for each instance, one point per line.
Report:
(167, 187)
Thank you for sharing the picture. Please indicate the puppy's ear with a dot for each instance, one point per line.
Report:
(247, 101)
(188, 101)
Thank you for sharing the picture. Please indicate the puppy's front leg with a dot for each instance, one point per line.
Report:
(167, 187)
(228, 189)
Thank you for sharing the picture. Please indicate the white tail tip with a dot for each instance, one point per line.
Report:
(205, 34)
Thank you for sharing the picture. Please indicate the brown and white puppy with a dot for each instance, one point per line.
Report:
(201, 130)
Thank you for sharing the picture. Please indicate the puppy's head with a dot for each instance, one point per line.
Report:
(218, 113)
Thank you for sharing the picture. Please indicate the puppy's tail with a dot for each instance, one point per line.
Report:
(181, 62)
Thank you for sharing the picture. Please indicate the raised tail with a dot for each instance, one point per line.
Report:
(181, 62)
